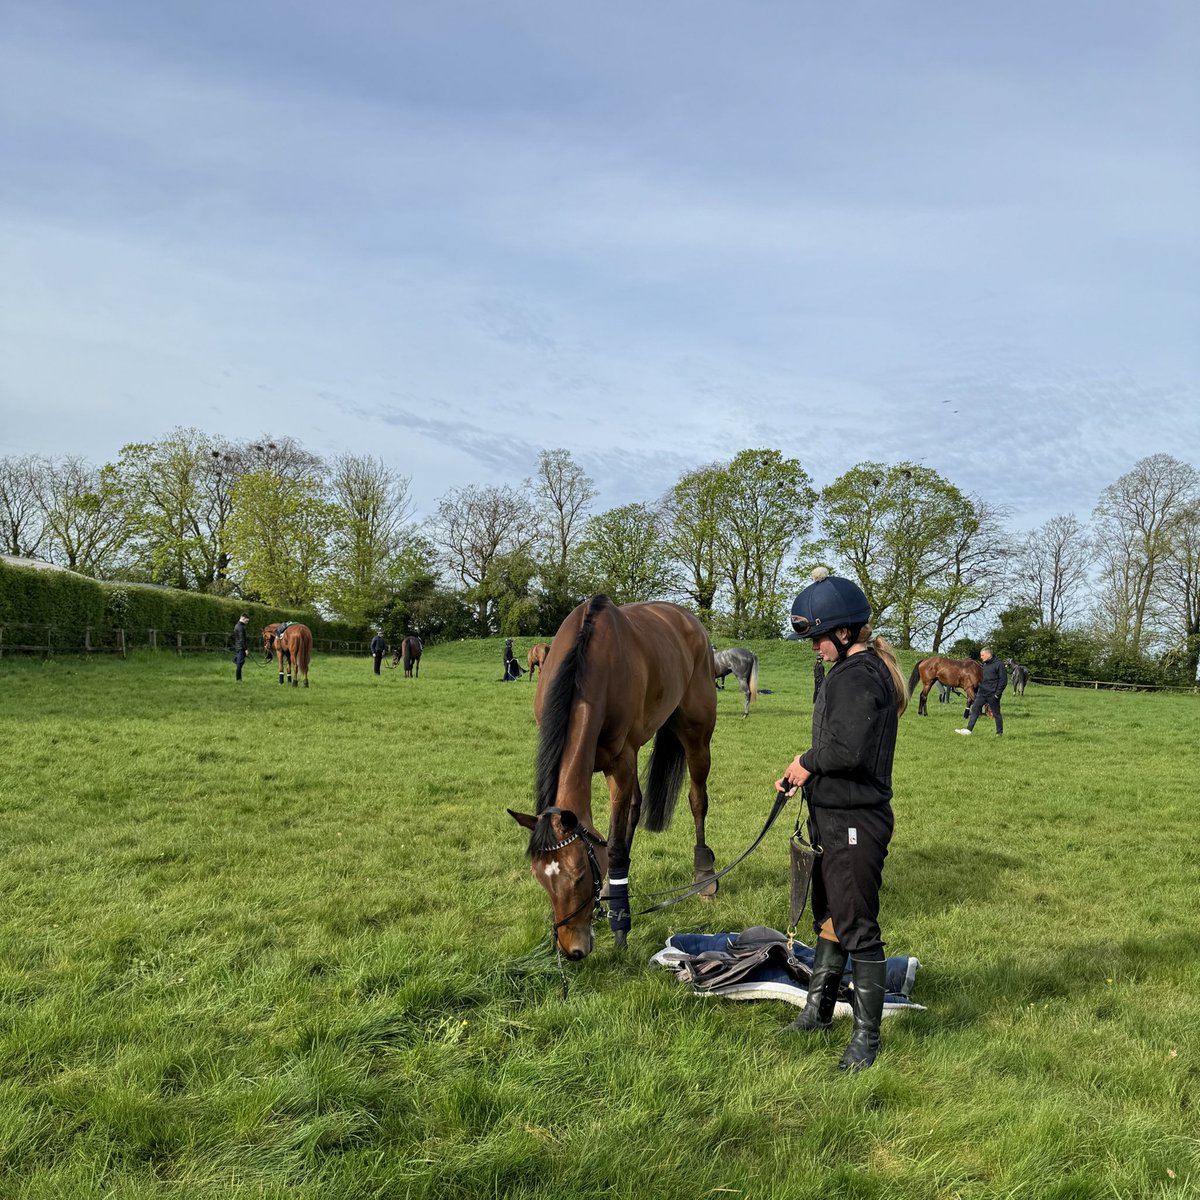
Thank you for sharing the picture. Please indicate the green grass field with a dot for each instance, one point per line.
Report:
(260, 942)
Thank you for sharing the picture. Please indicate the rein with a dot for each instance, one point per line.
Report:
(597, 898)
(693, 889)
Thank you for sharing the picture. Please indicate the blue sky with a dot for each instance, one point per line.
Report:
(452, 234)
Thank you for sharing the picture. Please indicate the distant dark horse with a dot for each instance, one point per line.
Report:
(537, 658)
(614, 679)
(291, 644)
(1017, 676)
(962, 673)
(743, 665)
(410, 655)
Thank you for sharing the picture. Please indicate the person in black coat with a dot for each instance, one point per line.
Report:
(378, 649)
(994, 681)
(239, 644)
(847, 779)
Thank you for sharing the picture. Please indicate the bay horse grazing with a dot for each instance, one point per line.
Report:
(291, 643)
(615, 678)
(743, 665)
(962, 673)
(537, 658)
(410, 656)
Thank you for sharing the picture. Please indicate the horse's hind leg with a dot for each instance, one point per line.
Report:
(922, 711)
(704, 863)
(746, 694)
(280, 661)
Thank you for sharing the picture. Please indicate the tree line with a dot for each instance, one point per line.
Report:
(1116, 597)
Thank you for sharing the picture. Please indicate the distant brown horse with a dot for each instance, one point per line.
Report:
(962, 673)
(615, 678)
(291, 644)
(410, 656)
(537, 657)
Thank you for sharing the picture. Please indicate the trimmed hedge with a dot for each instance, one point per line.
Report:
(37, 596)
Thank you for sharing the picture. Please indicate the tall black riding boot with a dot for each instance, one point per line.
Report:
(828, 965)
(868, 975)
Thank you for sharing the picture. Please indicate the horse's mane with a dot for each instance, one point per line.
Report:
(556, 714)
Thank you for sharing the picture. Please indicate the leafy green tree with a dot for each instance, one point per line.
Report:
(166, 486)
(624, 553)
(765, 506)
(278, 534)
(925, 554)
(508, 588)
(371, 508)
(692, 510)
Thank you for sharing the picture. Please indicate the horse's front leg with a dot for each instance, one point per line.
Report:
(279, 656)
(922, 711)
(625, 803)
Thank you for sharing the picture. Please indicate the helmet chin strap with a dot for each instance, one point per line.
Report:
(843, 648)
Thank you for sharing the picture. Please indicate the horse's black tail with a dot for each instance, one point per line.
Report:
(557, 706)
(912, 679)
(664, 777)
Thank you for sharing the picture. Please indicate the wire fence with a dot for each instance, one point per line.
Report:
(1109, 685)
(49, 640)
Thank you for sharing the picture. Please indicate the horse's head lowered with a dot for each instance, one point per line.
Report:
(570, 861)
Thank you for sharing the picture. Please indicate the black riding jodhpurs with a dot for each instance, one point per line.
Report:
(847, 873)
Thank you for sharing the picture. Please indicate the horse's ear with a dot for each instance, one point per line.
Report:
(526, 819)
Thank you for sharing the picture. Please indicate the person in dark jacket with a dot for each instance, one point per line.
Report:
(378, 649)
(239, 644)
(847, 779)
(994, 681)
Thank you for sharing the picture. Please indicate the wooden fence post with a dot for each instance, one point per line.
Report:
(121, 641)
(87, 639)
(1, 641)
(179, 642)
(49, 641)
(154, 639)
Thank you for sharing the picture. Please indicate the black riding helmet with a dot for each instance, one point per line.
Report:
(828, 603)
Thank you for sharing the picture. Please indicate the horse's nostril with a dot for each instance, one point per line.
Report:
(574, 955)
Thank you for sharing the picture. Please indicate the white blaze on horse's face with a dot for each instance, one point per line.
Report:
(567, 877)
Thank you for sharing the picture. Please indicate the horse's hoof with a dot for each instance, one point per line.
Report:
(619, 939)
(709, 890)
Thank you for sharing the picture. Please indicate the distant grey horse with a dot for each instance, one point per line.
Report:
(1017, 676)
(743, 665)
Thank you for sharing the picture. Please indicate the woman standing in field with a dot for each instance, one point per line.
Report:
(847, 780)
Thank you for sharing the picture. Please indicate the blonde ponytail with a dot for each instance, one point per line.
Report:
(880, 648)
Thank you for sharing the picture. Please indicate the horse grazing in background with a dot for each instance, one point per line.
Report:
(291, 643)
(537, 658)
(962, 673)
(743, 665)
(614, 679)
(410, 655)
(1018, 676)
